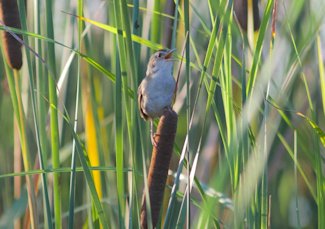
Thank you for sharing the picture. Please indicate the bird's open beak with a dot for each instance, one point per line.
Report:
(169, 53)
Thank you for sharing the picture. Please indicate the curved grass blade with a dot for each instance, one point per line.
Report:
(259, 46)
(320, 133)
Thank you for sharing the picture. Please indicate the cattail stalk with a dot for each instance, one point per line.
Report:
(9, 16)
(158, 170)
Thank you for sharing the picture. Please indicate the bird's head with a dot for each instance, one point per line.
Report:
(160, 61)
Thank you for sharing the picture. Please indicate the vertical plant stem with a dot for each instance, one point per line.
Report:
(41, 84)
(39, 115)
(125, 54)
(320, 178)
(90, 99)
(138, 141)
(133, 70)
(55, 141)
(120, 71)
(15, 88)
(264, 187)
(296, 179)
(245, 139)
(72, 188)
(119, 145)
(173, 43)
(188, 110)
(55, 150)
(229, 103)
(17, 169)
(319, 162)
(321, 71)
(155, 23)
(90, 130)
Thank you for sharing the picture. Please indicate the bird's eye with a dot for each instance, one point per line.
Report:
(159, 54)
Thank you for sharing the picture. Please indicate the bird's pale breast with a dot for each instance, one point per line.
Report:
(159, 90)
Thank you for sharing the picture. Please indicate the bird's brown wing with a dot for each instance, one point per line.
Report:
(140, 97)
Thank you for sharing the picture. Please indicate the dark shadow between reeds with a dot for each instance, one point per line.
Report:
(241, 12)
(159, 165)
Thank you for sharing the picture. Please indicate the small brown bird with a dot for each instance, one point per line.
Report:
(156, 90)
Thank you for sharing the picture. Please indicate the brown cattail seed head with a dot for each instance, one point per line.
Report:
(240, 9)
(9, 15)
(159, 165)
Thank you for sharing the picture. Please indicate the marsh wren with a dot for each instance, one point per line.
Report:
(156, 90)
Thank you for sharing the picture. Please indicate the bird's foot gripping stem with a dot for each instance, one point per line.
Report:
(153, 140)
(153, 135)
